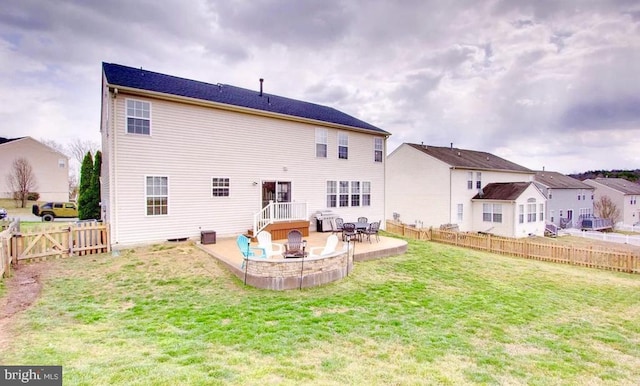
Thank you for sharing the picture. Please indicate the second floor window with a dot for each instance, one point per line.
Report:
(343, 145)
(321, 143)
(469, 180)
(479, 180)
(138, 117)
(378, 148)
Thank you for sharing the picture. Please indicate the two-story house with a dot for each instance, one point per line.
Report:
(569, 200)
(430, 186)
(182, 156)
(623, 193)
(50, 167)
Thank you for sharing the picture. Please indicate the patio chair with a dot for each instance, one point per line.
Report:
(338, 228)
(349, 232)
(270, 248)
(295, 244)
(372, 229)
(329, 247)
(363, 219)
(244, 244)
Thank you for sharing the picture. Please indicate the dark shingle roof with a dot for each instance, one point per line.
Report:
(619, 184)
(556, 180)
(136, 78)
(470, 159)
(504, 191)
(5, 140)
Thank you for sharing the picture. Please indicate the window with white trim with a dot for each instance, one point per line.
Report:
(366, 193)
(469, 180)
(521, 214)
(492, 213)
(343, 145)
(355, 193)
(344, 193)
(62, 163)
(332, 194)
(378, 149)
(157, 195)
(531, 210)
(541, 212)
(138, 117)
(321, 142)
(219, 187)
(552, 215)
(478, 180)
(460, 209)
(348, 193)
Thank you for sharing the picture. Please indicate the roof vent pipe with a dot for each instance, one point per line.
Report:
(451, 145)
(261, 80)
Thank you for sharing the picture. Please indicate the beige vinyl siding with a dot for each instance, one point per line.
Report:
(191, 144)
(52, 180)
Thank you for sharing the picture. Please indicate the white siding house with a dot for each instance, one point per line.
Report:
(430, 186)
(50, 167)
(624, 194)
(510, 209)
(181, 157)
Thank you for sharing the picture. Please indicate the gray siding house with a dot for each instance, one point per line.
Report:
(568, 199)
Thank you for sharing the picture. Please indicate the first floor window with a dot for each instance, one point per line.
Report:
(531, 210)
(157, 195)
(344, 193)
(460, 208)
(366, 193)
(541, 212)
(355, 193)
(348, 193)
(492, 213)
(521, 214)
(220, 187)
(138, 117)
(332, 191)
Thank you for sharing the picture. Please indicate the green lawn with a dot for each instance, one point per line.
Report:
(171, 315)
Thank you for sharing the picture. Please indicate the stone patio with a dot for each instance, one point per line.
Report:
(280, 273)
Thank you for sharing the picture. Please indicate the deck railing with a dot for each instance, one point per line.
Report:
(279, 211)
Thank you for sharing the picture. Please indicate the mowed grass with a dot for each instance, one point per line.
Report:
(171, 315)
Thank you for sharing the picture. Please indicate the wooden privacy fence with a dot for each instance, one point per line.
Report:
(54, 241)
(565, 254)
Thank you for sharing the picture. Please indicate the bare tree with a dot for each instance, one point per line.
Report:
(21, 180)
(604, 207)
(79, 148)
(54, 145)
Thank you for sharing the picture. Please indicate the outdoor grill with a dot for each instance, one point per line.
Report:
(325, 220)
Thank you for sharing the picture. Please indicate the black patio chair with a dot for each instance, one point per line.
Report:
(349, 232)
(372, 229)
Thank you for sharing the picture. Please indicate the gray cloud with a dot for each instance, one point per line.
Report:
(536, 82)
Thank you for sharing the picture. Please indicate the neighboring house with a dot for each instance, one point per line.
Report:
(433, 186)
(568, 199)
(510, 209)
(181, 157)
(50, 168)
(624, 194)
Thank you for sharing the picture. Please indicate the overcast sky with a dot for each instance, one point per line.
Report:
(552, 84)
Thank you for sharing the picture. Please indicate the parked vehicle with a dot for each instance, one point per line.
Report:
(3, 213)
(52, 210)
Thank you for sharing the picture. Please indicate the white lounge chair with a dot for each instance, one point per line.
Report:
(328, 249)
(270, 248)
